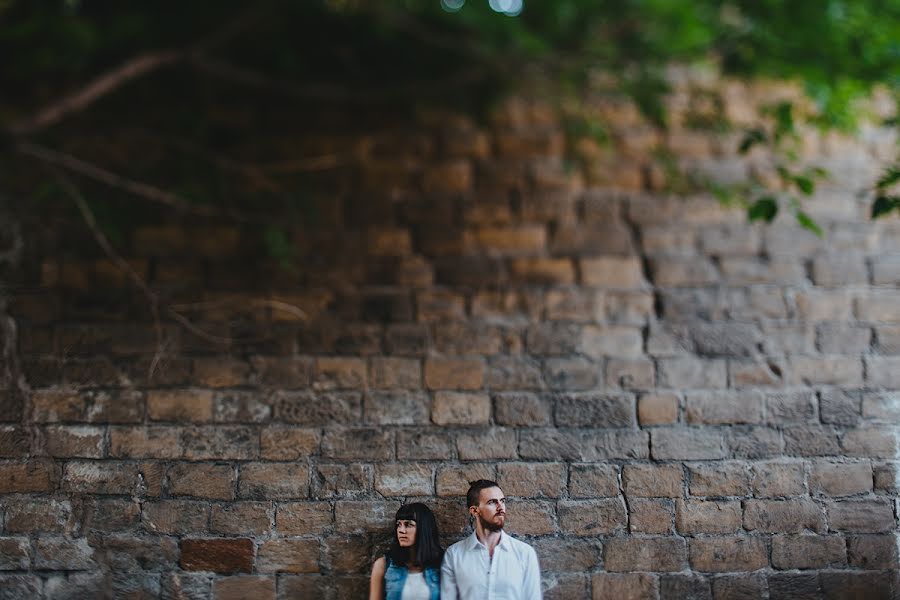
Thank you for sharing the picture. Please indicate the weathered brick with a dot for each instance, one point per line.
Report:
(273, 480)
(747, 441)
(404, 479)
(220, 442)
(15, 586)
(532, 517)
(510, 241)
(341, 480)
(808, 551)
(391, 373)
(783, 516)
(719, 479)
(241, 518)
(683, 443)
(624, 586)
(790, 407)
(573, 304)
(399, 407)
(842, 338)
(811, 440)
(37, 514)
(650, 515)
(354, 516)
(582, 445)
(342, 443)
(113, 477)
(553, 338)
(631, 374)
(571, 374)
(303, 518)
(612, 272)
(672, 271)
(532, 479)
(218, 555)
(240, 407)
(14, 554)
(863, 516)
(58, 405)
(335, 373)
(777, 478)
(287, 443)
(220, 372)
(202, 480)
(881, 371)
(791, 586)
(244, 586)
(595, 410)
(111, 515)
(871, 442)
(718, 408)
(175, 517)
(454, 374)
(145, 442)
(74, 442)
(454, 480)
(522, 409)
(63, 554)
(348, 554)
(839, 268)
(823, 305)
(881, 406)
(424, 444)
(877, 306)
(848, 584)
(653, 480)
(887, 339)
(692, 373)
(840, 479)
(652, 554)
(628, 308)
(730, 553)
(707, 516)
(514, 373)
(612, 340)
(543, 270)
(458, 408)
(658, 408)
(745, 586)
(194, 406)
(827, 370)
(288, 556)
(440, 305)
(283, 372)
(592, 480)
(493, 443)
(592, 517)
(873, 551)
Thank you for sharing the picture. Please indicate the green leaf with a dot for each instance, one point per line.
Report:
(805, 184)
(884, 204)
(809, 223)
(751, 138)
(764, 208)
(784, 119)
(890, 177)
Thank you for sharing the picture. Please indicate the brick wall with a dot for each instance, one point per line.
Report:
(679, 404)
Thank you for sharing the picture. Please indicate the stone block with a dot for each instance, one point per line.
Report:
(221, 442)
(877, 306)
(601, 516)
(263, 481)
(404, 479)
(112, 477)
(872, 552)
(840, 479)
(571, 374)
(180, 406)
(595, 410)
(811, 440)
(400, 407)
(825, 370)
(594, 480)
(687, 443)
(744, 441)
(707, 516)
(842, 338)
(175, 517)
(288, 443)
(631, 374)
(454, 374)
(808, 551)
(777, 479)
(871, 442)
(724, 408)
(883, 371)
(719, 479)
(651, 554)
(288, 556)
(358, 444)
(816, 305)
(614, 341)
(459, 408)
(532, 517)
(341, 480)
(493, 443)
(728, 553)
(744, 586)
(424, 444)
(74, 441)
(543, 271)
(202, 480)
(514, 373)
(650, 515)
(794, 586)
(37, 514)
(617, 272)
(628, 308)
(887, 339)
(387, 372)
(671, 271)
(241, 518)
(145, 442)
(63, 554)
(848, 584)
(303, 518)
(833, 269)
(14, 554)
(582, 445)
(318, 409)
(658, 408)
(653, 480)
(783, 516)
(220, 372)
(453, 480)
(358, 516)
(440, 305)
(861, 516)
(624, 586)
(692, 373)
(790, 407)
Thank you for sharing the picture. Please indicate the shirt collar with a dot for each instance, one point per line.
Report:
(474, 543)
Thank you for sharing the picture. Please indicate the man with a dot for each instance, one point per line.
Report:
(489, 564)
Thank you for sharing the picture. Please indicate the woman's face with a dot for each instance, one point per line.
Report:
(406, 533)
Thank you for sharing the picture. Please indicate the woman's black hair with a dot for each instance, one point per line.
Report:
(428, 551)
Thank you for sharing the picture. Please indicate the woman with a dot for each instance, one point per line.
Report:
(411, 569)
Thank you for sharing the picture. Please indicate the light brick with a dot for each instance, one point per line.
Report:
(776, 478)
(652, 554)
(244, 586)
(288, 556)
(658, 408)
(548, 271)
(732, 553)
(631, 374)
(706, 516)
(303, 518)
(692, 373)
(623, 586)
(404, 479)
(724, 408)
(522, 409)
(354, 516)
(612, 272)
(651, 480)
(808, 551)
(454, 374)
(273, 481)
(494, 443)
(650, 515)
(863, 516)
(393, 372)
(595, 410)
(194, 406)
(613, 340)
(457, 408)
(840, 479)
(683, 443)
(398, 407)
(335, 373)
(202, 480)
(783, 516)
(719, 479)
(592, 480)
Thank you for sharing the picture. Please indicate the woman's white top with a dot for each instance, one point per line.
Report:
(415, 587)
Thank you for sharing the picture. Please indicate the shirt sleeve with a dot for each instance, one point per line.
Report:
(448, 578)
(531, 588)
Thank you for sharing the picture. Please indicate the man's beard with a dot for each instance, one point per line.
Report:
(491, 525)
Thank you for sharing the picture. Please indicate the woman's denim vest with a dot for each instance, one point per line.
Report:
(395, 579)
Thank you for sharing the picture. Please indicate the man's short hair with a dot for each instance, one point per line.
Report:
(473, 496)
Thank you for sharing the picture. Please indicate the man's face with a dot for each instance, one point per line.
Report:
(491, 509)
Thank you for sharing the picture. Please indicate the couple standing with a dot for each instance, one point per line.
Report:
(487, 565)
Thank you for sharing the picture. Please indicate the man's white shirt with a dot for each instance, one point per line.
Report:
(468, 573)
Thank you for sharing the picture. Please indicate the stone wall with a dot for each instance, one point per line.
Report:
(678, 403)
